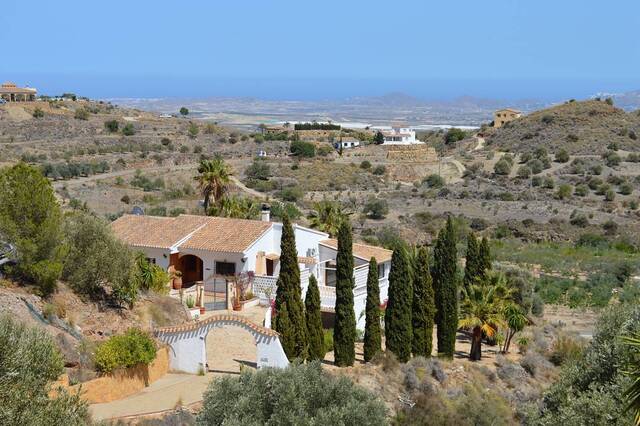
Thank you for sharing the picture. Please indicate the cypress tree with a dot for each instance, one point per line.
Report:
(472, 267)
(372, 339)
(397, 319)
(313, 318)
(423, 308)
(484, 258)
(344, 332)
(429, 307)
(446, 289)
(290, 321)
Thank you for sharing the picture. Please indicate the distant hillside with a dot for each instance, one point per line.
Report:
(585, 127)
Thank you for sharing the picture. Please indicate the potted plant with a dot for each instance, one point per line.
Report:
(177, 280)
(195, 312)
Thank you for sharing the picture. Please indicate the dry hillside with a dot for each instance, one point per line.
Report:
(586, 127)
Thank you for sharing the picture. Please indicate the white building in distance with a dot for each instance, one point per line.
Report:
(400, 136)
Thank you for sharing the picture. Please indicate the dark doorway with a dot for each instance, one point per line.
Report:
(270, 267)
(191, 267)
(225, 268)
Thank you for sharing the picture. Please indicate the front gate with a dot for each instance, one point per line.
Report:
(215, 294)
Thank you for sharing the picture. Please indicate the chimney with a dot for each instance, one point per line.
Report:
(265, 213)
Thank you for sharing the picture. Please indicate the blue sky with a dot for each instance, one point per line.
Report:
(329, 49)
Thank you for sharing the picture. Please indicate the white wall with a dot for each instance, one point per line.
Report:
(161, 256)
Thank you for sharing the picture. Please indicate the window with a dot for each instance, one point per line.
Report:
(381, 270)
(225, 268)
(151, 260)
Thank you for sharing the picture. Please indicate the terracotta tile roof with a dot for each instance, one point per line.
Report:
(155, 231)
(363, 251)
(205, 233)
(226, 235)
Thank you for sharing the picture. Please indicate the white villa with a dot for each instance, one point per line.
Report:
(211, 251)
(400, 136)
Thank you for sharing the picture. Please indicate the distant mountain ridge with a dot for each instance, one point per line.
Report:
(626, 100)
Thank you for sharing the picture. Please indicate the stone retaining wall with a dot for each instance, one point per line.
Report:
(122, 383)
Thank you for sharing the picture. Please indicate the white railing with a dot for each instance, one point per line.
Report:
(327, 297)
(264, 286)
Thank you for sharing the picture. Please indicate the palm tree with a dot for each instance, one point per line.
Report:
(515, 320)
(632, 393)
(236, 207)
(327, 217)
(213, 180)
(481, 312)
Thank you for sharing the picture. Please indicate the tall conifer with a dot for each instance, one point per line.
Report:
(290, 320)
(315, 333)
(472, 267)
(344, 332)
(397, 320)
(484, 256)
(372, 338)
(446, 289)
(423, 308)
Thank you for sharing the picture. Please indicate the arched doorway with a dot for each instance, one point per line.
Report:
(192, 269)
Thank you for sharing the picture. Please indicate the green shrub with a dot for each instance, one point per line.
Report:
(379, 170)
(31, 220)
(38, 113)
(376, 208)
(29, 363)
(581, 190)
(111, 126)
(124, 351)
(524, 172)
(328, 340)
(548, 182)
(612, 159)
(563, 191)
(303, 149)
(502, 167)
(366, 165)
(96, 259)
(566, 348)
(536, 166)
(298, 395)
(128, 130)
(626, 188)
(590, 389)
(434, 181)
(292, 193)
(579, 220)
(81, 114)
(609, 195)
(259, 169)
(454, 135)
(193, 130)
(562, 156)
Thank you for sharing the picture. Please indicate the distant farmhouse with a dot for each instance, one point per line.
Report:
(346, 143)
(12, 93)
(503, 116)
(400, 136)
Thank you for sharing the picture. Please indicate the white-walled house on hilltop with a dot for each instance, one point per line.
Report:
(400, 136)
(212, 252)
